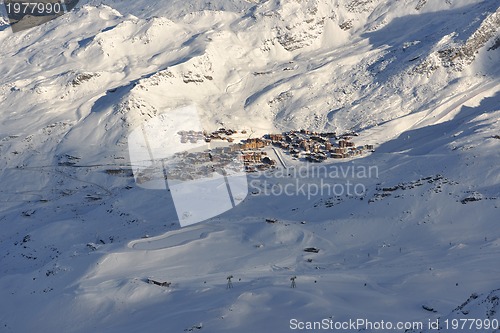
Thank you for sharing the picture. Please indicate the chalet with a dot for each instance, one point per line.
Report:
(316, 158)
(227, 150)
(158, 283)
(322, 156)
(339, 150)
(235, 148)
(318, 138)
(247, 146)
(252, 158)
(252, 144)
(312, 158)
(337, 156)
(329, 134)
(276, 137)
(262, 167)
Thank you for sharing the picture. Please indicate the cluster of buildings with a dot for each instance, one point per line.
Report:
(186, 166)
(317, 147)
(195, 136)
(220, 134)
(245, 156)
(251, 155)
(191, 136)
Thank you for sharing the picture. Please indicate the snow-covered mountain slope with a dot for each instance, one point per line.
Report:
(484, 306)
(419, 79)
